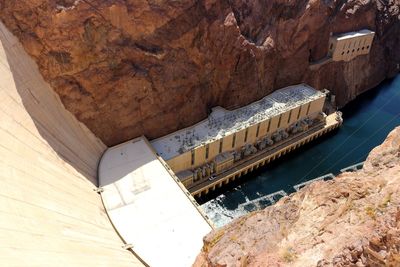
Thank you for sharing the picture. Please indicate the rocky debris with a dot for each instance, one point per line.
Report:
(127, 68)
(353, 220)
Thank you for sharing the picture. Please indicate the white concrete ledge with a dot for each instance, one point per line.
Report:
(148, 207)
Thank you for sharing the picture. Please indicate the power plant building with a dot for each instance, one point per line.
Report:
(214, 144)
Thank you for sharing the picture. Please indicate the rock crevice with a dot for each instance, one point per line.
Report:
(146, 67)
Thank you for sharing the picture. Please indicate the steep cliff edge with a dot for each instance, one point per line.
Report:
(133, 67)
(353, 220)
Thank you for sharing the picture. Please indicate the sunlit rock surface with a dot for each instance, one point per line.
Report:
(127, 68)
(353, 220)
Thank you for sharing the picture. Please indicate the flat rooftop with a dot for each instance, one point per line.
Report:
(148, 207)
(349, 35)
(222, 122)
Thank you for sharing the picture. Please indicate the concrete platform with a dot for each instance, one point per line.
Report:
(149, 207)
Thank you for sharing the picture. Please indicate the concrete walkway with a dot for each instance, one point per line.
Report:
(148, 207)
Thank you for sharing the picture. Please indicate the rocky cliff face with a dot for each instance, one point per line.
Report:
(353, 220)
(133, 67)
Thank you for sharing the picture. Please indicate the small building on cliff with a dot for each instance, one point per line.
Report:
(349, 45)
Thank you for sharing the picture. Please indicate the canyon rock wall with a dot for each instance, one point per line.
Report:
(127, 68)
(353, 220)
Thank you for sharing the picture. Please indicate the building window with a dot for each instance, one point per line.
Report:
(298, 115)
(258, 129)
(220, 145)
(331, 46)
(192, 157)
(207, 149)
(246, 133)
(233, 140)
(290, 116)
(308, 108)
(279, 121)
(269, 126)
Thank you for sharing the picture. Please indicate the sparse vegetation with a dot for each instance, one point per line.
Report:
(371, 212)
(386, 200)
(215, 240)
(284, 231)
(289, 255)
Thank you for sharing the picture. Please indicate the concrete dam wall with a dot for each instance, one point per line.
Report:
(49, 213)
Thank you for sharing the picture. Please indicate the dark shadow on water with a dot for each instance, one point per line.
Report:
(362, 101)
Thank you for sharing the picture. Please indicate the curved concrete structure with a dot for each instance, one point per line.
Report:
(49, 213)
(149, 207)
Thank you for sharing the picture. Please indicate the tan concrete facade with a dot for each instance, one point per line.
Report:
(263, 128)
(186, 178)
(223, 161)
(213, 149)
(350, 45)
(238, 170)
(226, 143)
(273, 124)
(251, 134)
(315, 107)
(199, 156)
(237, 140)
(240, 138)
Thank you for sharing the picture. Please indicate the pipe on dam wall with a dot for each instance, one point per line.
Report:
(49, 213)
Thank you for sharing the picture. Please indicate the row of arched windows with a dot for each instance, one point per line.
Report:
(358, 50)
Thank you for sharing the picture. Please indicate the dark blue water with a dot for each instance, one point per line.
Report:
(367, 122)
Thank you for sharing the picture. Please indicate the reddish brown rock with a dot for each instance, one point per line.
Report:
(352, 220)
(133, 67)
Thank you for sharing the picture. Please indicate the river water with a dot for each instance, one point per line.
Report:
(367, 121)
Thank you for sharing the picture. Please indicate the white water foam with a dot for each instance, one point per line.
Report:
(221, 215)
